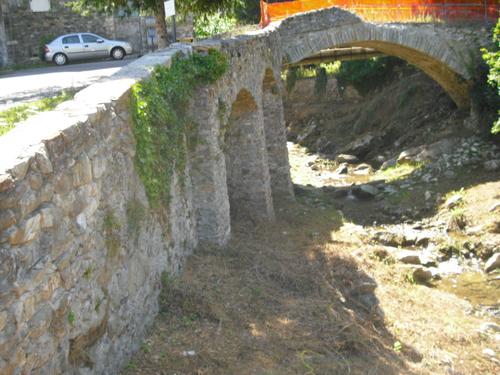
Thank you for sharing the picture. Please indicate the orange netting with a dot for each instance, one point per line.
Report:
(388, 10)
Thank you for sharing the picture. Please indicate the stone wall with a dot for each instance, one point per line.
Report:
(81, 252)
(3, 40)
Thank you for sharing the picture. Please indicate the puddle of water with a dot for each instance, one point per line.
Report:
(476, 287)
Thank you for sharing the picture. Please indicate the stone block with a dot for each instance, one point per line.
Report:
(7, 218)
(27, 231)
(82, 171)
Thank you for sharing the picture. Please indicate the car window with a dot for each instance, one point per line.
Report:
(89, 38)
(72, 39)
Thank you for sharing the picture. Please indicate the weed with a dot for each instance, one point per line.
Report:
(111, 227)
(71, 317)
(135, 216)
(320, 82)
(165, 279)
(145, 348)
(398, 346)
(87, 274)
(402, 196)
(131, 365)
(410, 278)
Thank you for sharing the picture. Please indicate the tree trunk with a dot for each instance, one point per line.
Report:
(161, 25)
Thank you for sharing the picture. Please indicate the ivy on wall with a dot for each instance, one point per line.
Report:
(162, 126)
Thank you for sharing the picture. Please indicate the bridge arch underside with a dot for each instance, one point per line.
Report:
(455, 85)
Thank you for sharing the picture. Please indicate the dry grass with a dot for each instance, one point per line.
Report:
(303, 296)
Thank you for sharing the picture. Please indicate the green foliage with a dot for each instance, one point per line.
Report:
(87, 274)
(492, 58)
(71, 317)
(135, 216)
(111, 227)
(161, 125)
(12, 116)
(320, 82)
(248, 11)
(366, 75)
(291, 78)
(213, 24)
(44, 39)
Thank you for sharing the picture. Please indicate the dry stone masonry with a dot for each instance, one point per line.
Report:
(82, 253)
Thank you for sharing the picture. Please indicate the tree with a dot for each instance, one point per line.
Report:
(198, 7)
(492, 58)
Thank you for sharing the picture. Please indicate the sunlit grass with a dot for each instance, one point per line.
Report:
(12, 116)
(399, 171)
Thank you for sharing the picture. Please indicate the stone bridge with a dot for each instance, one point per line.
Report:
(81, 250)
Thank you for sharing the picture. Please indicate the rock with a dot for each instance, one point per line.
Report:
(360, 146)
(363, 169)
(342, 169)
(489, 352)
(389, 164)
(428, 195)
(389, 238)
(339, 193)
(421, 275)
(453, 201)
(495, 207)
(345, 158)
(408, 256)
(364, 191)
(493, 263)
(492, 165)
(489, 326)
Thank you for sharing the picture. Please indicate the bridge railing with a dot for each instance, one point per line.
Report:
(388, 10)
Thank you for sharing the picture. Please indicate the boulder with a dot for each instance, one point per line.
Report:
(492, 263)
(453, 201)
(408, 256)
(388, 164)
(363, 169)
(492, 165)
(342, 169)
(365, 191)
(421, 274)
(360, 146)
(346, 158)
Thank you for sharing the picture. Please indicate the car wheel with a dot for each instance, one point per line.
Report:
(60, 59)
(117, 53)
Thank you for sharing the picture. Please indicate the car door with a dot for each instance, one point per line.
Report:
(72, 46)
(94, 46)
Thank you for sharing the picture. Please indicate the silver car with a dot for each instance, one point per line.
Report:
(81, 46)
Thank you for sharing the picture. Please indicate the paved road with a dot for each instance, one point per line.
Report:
(32, 84)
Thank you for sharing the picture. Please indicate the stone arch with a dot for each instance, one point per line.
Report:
(247, 171)
(275, 133)
(442, 54)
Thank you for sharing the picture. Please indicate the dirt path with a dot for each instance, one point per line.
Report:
(309, 295)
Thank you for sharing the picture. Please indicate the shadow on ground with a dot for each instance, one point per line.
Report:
(281, 299)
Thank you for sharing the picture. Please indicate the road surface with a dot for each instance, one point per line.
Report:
(32, 84)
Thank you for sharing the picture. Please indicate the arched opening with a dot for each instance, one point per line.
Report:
(274, 127)
(453, 84)
(247, 172)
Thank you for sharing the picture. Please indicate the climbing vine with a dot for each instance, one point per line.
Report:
(161, 124)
